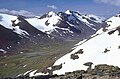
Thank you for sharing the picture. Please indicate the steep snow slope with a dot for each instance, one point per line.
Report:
(110, 24)
(6, 21)
(114, 21)
(101, 49)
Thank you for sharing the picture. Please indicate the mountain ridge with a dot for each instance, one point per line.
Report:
(56, 25)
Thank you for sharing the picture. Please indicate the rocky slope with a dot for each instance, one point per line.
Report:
(100, 71)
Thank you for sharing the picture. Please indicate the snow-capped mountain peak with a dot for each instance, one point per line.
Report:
(68, 12)
(46, 23)
(51, 13)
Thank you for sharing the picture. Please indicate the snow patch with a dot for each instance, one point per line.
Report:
(19, 31)
(25, 65)
(27, 72)
(2, 50)
(68, 12)
(33, 73)
(93, 49)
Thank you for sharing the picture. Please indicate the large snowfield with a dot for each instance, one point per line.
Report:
(94, 51)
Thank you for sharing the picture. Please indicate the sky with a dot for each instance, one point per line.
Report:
(104, 8)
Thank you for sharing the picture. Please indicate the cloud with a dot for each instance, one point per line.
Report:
(52, 6)
(112, 2)
(15, 12)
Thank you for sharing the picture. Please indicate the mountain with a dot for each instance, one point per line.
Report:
(16, 33)
(102, 48)
(67, 25)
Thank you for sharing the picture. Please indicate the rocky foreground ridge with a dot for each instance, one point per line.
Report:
(101, 71)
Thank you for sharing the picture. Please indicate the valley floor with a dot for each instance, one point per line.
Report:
(41, 58)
